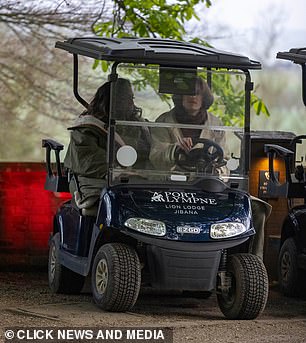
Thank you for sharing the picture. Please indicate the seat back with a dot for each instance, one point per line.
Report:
(56, 180)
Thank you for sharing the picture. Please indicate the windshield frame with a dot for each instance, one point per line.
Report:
(244, 133)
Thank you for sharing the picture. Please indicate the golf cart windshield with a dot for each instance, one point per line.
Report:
(158, 135)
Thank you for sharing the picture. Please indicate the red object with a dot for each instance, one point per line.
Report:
(27, 209)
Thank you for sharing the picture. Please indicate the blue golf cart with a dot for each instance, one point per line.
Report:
(185, 226)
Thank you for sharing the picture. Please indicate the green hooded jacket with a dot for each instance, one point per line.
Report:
(86, 158)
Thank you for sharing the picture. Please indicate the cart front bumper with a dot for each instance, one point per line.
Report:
(185, 266)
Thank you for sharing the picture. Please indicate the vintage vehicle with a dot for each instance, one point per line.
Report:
(183, 225)
(292, 256)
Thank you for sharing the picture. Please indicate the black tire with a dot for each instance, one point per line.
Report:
(291, 278)
(116, 277)
(248, 294)
(62, 279)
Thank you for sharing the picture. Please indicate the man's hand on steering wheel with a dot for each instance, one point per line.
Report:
(199, 154)
(185, 144)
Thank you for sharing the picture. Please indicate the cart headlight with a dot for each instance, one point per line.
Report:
(226, 230)
(148, 226)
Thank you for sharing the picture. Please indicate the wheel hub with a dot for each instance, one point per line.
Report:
(285, 266)
(52, 263)
(101, 276)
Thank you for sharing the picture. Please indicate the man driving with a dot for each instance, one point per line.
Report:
(169, 143)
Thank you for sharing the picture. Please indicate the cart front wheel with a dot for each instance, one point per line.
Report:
(247, 296)
(116, 277)
(62, 279)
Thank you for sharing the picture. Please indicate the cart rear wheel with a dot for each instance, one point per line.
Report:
(62, 279)
(292, 280)
(116, 277)
(248, 293)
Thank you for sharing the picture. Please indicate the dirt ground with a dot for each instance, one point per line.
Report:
(25, 301)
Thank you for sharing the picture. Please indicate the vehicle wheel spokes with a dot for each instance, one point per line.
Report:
(101, 276)
(52, 263)
(289, 275)
(285, 266)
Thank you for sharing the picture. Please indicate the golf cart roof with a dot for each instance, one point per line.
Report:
(296, 55)
(165, 52)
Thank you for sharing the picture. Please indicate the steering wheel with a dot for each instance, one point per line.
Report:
(205, 158)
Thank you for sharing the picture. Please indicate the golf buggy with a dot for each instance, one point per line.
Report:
(292, 255)
(185, 226)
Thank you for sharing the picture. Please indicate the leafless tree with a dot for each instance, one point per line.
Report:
(35, 79)
(44, 19)
(265, 36)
